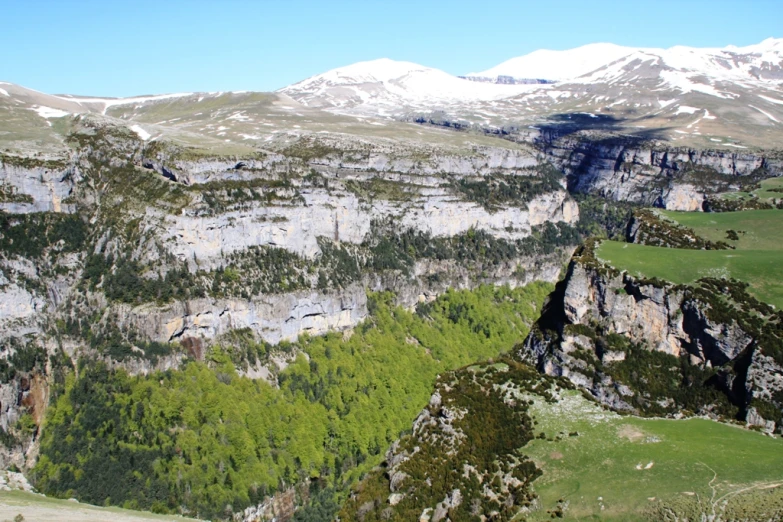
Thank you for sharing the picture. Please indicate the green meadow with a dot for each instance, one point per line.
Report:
(38, 508)
(756, 229)
(762, 269)
(757, 258)
(599, 465)
(769, 191)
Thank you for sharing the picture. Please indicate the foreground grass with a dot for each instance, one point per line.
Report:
(40, 508)
(627, 468)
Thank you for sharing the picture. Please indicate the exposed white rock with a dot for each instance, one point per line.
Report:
(204, 240)
(13, 481)
(273, 317)
(683, 197)
(37, 189)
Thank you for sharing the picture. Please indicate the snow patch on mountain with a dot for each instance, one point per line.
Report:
(765, 113)
(48, 112)
(144, 135)
(684, 109)
(111, 102)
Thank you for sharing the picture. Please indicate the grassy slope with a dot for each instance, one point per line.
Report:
(756, 259)
(601, 462)
(36, 508)
(765, 193)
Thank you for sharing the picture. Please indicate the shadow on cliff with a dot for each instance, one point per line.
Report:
(584, 141)
(624, 128)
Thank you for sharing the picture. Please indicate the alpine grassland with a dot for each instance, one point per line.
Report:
(754, 229)
(599, 465)
(519, 445)
(769, 190)
(754, 259)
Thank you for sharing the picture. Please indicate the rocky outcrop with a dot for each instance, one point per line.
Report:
(600, 318)
(13, 481)
(25, 395)
(337, 156)
(456, 463)
(347, 201)
(280, 507)
(278, 317)
(204, 240)
(641, 312)
(684, 197)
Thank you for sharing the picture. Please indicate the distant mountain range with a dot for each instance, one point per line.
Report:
(725, 94)
(730, 97)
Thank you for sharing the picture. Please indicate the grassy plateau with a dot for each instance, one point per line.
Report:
(756, 258)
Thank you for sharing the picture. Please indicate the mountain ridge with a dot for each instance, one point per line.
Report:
(543, 63)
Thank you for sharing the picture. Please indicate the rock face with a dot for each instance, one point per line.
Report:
(641, 312)
(666, 177)
(278, 317)
(345, 207)
(340, 206)
(340, 157)
(35, 188)
(597, 315)
(147, 211)
(280, 507)
(325, 189)
(273, 317)
(345, 218)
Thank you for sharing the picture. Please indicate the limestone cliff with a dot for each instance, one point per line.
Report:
(648, 172)
(143, 254)
(30, 185)
(653, 347)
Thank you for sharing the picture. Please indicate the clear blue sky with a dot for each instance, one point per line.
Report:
(122, 48)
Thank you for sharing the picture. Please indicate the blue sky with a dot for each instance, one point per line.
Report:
(122, 48)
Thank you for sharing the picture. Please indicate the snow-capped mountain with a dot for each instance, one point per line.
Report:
(729, 97)
(760, 61)
(750, 66)
(384, 86)
(557, 65)
(683, 92)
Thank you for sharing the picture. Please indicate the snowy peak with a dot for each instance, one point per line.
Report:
(381, 70)
(689, 69)
(384, 86)
(763, 61)
(558, 65)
